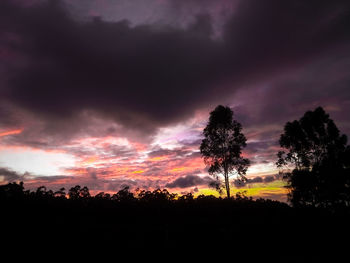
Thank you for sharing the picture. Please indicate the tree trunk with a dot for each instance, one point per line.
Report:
(228, 191)
(227, 185)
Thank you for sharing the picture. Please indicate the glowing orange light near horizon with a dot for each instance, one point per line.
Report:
(12, 132)
(159, 158)
(90, 161)
(178, 169)
(138, 172)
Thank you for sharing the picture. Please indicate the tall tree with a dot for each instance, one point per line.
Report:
(320, 158)
(222, 146)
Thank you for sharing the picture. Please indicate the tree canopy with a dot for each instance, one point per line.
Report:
(320, 155)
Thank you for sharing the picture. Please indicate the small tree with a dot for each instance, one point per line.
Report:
(77, 192)
(321, 161)
(222, 146)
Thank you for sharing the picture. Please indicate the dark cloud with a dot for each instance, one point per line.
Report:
(89, 179)
(177, 152)
(239, 183)
(189, 181)
(269, 179)
(191, 143)
(136, 76)
(160, 152)
(10, 176)
(148, 76)
(255, 146)
(257, 179)
(263, 151)
(278, 32)
(116, 185)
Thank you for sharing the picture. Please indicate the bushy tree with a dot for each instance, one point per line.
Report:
(320, 156)
(124, 195)
(222, 146)
(77, 192)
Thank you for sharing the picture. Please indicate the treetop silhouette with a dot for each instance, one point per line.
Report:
(312, 141)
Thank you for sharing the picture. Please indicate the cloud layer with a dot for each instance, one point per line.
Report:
(149, 76)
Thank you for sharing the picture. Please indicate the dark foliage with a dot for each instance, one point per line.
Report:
(222, 146)
(321, 159)
(77, 192)
(148, 222)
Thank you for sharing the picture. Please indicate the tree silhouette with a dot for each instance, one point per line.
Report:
(60, 193)
(77, 192)
(124, 195)
(12, 191)
(103, 196)
(157, 196)
(74, 192)
(320, 158)
(222, 146)
(84, 192)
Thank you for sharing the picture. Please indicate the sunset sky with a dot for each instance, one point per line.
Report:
(114, 93)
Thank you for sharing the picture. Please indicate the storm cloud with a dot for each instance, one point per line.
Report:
(148, 76)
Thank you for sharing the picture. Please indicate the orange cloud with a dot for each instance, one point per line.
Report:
(178, 169)
(12, 132)
(89, 161)
(157, 159)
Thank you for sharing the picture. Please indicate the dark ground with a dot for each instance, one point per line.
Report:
(252, 231)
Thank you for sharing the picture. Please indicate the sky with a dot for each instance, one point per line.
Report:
(115, 93)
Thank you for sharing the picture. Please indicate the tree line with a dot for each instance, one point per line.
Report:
(15, 192)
